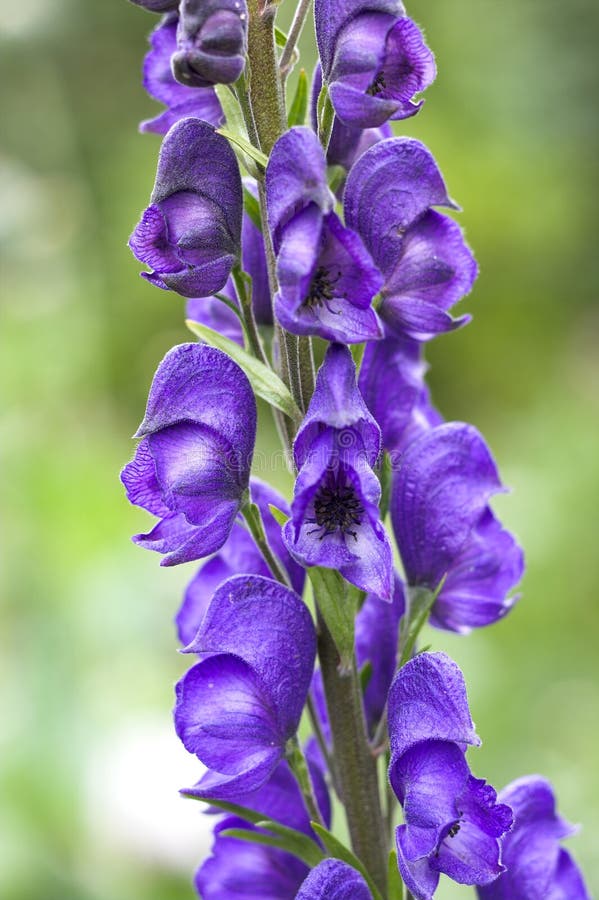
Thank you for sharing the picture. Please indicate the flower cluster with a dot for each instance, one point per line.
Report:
(322, 242)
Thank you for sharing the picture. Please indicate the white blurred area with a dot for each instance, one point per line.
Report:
(132, 801)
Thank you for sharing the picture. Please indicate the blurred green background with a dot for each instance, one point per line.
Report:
(89, 765)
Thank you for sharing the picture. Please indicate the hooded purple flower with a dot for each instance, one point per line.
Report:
(334, 515)
(374, 60)
(190, 234)
(422, 254)
(238, 556)
(452, 823)
(160, 84)
(347, 143)
(237, 708)
(392, 384)
(445, 528)
(192, 466)
(211, 42)
(537, 867)
(333, 879)
(326, 278)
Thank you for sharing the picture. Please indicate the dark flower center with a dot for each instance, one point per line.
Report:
(378, 85)
(454, 830)
(336, 508)
(322, 287)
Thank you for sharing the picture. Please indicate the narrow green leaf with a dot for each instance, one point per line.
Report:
(337, 602)
(394, 882)
(280, 37)
(278, 514)
(264, 381)
(252, 208)
(231, 108)
(336, 849)
(365, 675)
(240, 141)
(336, 175)
(287, 839)
(299, 105)
(242, 812)
(385, 474)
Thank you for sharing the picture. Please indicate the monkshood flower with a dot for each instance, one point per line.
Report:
(239, 554)
(251, 871)
(392, 384)
(335, 518)
(333, 879)
(374, 60)
(326, 277)
(537, 867)
(190, 234)
(191, 469)
(237, 708)
(445, 528)
(347, 143)
(422, 254)
(452, 822)
(211, 42)
(160, 83)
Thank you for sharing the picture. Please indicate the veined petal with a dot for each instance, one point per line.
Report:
(182, 542)
(333, 879)
(331, 16)
(140, 482)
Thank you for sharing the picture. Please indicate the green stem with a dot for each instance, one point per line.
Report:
(253, 518)
(307, 372)
(295, 31)
(320, 740)
(299, 767)
(356, 767)
(245, 301)
(265, 87)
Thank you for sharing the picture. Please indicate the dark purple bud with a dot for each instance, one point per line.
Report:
(422, 254)
(374, 60)
(239, 555)
(326, 277)
(237, 709)
(335, 519)
(253, 258)
(537, 867)
(191, 468)
(452, 822)
(190, 235)
(157, 6)
(445, 528)
(160, 83)
(333, 879)
(211, 42)
(392, 384)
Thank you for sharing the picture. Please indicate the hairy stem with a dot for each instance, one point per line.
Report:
(253, 518)
(356, 767)
(265, 86)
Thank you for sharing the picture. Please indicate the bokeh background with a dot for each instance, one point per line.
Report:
(89, 765)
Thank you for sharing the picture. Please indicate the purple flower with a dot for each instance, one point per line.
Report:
(191, 468)
(237, 708)
(236, 866)
(422, 254)
(238, 556)
(211, 42)
(335, 518)
(377, 634)
(333, 879)
(212, 312)
(392, 384)
(445, 528)
(160, 84)
(157, 6)
(374, 60)
(347, 143)
(537, 867)
(190, 234)
(453, 824)
(327, 279)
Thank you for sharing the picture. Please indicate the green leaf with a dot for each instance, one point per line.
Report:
(394, 882)
(278, 514)
(337, 601)
(385, 476)
(336, 176)
(336, 849)
(231, 109)
(244, 145)
(252, 208)
(299, 105)
(242, 812)
(264, 381)
(280, 37)
(420, 601)
(284, 838)
(365, 675)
